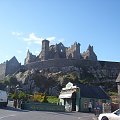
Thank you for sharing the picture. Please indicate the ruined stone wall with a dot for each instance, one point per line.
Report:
(61, 63)
(12, 67)
(73, 51)
(102, 70)
(108, 70)
(2, 70)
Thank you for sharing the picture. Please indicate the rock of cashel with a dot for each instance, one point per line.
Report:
(57, 59)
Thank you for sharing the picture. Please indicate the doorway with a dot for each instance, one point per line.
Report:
(74, 101)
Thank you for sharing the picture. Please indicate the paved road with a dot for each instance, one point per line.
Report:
(11, 113)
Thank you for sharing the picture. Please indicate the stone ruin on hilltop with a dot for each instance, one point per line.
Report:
(60, 51)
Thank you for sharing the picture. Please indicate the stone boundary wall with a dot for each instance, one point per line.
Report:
(61, 63)
(43, 107)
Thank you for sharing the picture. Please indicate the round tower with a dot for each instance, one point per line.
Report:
(45, 50)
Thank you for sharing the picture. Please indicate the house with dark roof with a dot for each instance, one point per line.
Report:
(79, 97)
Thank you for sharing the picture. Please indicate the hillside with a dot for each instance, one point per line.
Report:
(52, 80)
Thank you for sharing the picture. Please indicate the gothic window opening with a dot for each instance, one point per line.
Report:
(61, 50)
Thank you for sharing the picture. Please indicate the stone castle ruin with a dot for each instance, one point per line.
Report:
(59, 58)
(9, 67)
(59, 51)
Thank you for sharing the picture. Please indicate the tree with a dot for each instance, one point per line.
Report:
(21, 95)
(14, 95)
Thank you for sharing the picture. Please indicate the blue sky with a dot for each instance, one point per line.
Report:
(24, 23)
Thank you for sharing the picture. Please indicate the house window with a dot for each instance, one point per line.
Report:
(85, 105)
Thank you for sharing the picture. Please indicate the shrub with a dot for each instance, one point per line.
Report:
(14, 95)
(39, 97)
(21, 95)
(52, 99)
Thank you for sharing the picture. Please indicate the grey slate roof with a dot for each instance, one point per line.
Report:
(118, 78)
(87, 91)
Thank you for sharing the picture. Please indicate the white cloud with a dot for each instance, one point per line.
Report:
(32, 38)
(17, 33)
(51, 38)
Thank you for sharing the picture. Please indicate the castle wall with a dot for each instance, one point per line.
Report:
(111, 69)
(60, 63)
(103, 69)
(73, 51)
(12, 67)
(2, 71)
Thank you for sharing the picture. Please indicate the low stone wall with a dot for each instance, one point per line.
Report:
(43, 107)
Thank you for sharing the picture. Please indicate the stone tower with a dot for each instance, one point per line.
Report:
(77, 50)
(45, 50)
(73, 51)
(29, 58)
(89, 54)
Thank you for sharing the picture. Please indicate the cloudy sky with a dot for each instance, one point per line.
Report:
(25, 23)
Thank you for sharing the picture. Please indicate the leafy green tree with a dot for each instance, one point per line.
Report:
(21, 95)
(14, 95)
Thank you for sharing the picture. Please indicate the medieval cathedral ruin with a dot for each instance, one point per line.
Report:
(59, 51)
(61, 58)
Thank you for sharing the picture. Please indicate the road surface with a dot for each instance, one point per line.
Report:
(11, 113)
